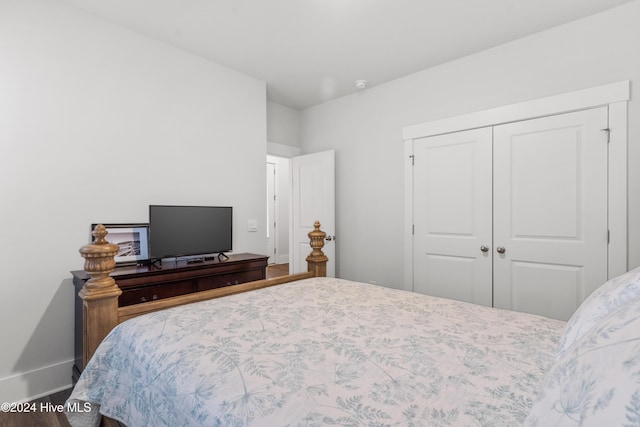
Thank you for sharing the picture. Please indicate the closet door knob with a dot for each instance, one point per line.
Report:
(501, 250)
(483, 248)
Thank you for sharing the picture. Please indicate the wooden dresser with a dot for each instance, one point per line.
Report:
(152, 282)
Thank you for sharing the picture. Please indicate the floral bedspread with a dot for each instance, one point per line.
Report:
(317, 352)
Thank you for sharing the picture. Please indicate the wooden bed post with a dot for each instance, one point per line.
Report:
(100, 293)
(317, 260)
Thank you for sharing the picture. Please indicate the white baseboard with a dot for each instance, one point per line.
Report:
(37, 383)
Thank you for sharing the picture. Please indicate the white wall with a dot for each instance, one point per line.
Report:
(283, 124)
(96, 123)
(365, 128)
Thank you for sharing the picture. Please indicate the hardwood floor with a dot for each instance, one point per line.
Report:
(45, 413)
(277, 270)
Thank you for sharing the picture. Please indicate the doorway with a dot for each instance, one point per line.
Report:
(314, 175)
(278, 222)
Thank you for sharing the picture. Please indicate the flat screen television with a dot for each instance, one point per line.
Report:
(176, 231)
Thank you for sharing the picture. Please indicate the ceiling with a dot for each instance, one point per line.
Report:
(311, 51)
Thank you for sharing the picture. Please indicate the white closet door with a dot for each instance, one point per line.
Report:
(452, 216)
(550, 212)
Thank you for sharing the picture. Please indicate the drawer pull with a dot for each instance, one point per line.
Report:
(155, 297)
(143, 299)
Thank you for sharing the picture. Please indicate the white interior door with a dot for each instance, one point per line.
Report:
(550, 212)
(312, 198)
(452, 216)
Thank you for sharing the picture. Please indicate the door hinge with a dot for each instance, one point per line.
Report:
(608, 131)
(413, 159)
(413, 229)
(608, 236)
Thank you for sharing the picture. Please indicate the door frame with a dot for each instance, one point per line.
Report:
(283, 152)
(615, 96)
(272, 237)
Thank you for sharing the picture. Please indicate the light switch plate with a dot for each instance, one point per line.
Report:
(252, 226)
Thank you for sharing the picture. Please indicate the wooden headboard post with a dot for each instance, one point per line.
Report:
(100, 293)
(317, 260)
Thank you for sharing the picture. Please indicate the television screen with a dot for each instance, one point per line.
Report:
(189, 230)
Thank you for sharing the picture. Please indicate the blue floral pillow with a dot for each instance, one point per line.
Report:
(596, 382)
(601, 302)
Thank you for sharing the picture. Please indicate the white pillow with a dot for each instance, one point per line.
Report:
(601, 302)
(596, 382)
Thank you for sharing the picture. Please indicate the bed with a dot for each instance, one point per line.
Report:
(324, 351)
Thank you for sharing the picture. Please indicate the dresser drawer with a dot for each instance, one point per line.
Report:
(151, 293)
(212, 282)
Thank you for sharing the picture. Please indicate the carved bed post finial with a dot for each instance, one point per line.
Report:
(100, 293)
(317, 260)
